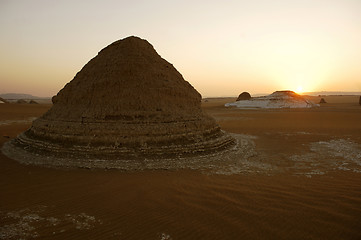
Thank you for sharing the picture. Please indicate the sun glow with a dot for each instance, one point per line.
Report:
(299, 89)
(301, 82)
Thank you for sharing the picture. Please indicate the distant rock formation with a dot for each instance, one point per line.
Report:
(360, 101)
(126, 104)
(33, 102)
(244, 96)
(322, 100)
(16, 96)
(21, 101)
(278, 99)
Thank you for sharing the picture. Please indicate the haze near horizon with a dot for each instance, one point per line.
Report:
(221, 49)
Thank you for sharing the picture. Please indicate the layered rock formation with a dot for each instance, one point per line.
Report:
(126, 103)
(278, 99)
(244, 96)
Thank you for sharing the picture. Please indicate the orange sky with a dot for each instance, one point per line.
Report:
(221, 47)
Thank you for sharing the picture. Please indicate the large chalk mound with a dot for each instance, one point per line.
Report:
(278, 99)
(127, 103)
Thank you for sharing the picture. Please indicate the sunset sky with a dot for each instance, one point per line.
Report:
(221, 47)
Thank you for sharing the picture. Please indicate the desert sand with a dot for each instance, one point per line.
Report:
(300, 178)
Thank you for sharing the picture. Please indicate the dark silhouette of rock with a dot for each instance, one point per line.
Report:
(322, 100)
(127, 103)
(3, 100)
(21, 101)
(360, 101)
(33, 102)
(244, 96)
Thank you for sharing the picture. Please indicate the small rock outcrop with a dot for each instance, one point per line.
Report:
(33, 102)
(3, 100)
(322, 100)
(244, 96)
(127, 104)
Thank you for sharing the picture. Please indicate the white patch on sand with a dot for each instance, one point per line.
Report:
(325, 156)
(26, 223)
(322, 157)
(165, 236)
(82, 221)
(242, 160)
(340, 148)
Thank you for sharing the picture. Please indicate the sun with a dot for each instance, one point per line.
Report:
(299, 89)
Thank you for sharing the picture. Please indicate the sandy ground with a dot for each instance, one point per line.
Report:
(302, 181)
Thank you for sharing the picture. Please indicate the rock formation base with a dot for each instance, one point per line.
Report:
(110, 158)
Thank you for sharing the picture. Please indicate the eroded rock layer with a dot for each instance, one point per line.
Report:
(126, 103)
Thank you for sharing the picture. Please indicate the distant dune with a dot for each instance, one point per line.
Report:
(14, 97)
(20, 96)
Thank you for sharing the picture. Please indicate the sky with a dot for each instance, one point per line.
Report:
(221, 47)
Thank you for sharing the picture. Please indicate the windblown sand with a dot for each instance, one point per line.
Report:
(299, 178)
